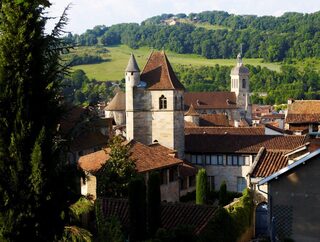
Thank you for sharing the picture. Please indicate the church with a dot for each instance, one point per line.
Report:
(155, 106)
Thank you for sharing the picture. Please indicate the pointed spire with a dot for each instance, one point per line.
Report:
(191, 111)
(132, 65)
(239, 59)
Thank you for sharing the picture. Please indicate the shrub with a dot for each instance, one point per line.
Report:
(201, 187)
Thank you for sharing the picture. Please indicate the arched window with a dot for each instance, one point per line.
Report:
(243, 83)
(162, 102)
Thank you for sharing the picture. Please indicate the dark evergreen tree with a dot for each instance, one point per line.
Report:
(201, 187)
(154, 203)
(34, 187)
(137, 209)
(223, 196)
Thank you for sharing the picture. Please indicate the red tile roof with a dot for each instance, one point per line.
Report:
(273, 116)
(225, 130)
(72, 116)
(214, 120)
(158, 73)
(269, 163)
(172, 214)
(146, 158)
(211, 100)
(210, 143)
(304, 111)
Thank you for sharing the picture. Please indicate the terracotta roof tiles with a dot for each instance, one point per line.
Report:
(191, 111)
(146, 158)
(225, 130)
(269, 163)
(158, 73)
(304, 111)
(172, 214)
(118, 102)
(228, 143)
(210, 100)
(214, 120)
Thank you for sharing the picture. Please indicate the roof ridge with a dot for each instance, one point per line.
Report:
(152, 51)
(167, 66)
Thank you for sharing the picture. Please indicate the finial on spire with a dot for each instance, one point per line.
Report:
(239, 59)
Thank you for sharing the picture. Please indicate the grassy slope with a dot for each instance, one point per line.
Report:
(119, 55)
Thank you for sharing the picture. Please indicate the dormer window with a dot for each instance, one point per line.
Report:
(162, 102)
(243, 83)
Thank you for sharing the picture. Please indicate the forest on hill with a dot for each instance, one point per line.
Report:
(292, 35)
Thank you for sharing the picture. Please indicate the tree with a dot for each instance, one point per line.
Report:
(137, 209)
(201, 187)
(154, 203)
(223, 196)
(35, 186)
(114, 176)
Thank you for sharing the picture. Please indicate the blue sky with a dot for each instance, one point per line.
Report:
(85, 14)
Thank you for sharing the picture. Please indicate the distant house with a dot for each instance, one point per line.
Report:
(228, 154)
(294, 200)
(177, 177)
(303, 116)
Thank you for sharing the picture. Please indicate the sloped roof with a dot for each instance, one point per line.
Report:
(172, 214)
(213, 143)
(304, 111)
(239, 68)
(132, 65)
(225, 130)
(210, 100)
(158, 73)
(146, 158)
(219, 119)
(191, 111)
(269, 163)
(118, 102)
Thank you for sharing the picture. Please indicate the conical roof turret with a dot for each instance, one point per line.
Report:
(132, 65)
(239, 68)
(191, 112)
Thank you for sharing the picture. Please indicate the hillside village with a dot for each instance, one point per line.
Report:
(176, 133)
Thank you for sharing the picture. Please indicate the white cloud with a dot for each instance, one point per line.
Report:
(86, 14)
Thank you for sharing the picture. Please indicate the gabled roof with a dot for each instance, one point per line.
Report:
(146, 158)
(132, 65)
(225, 130)
(290, 167)
(250, 144)
(269, 162)
(118, 102)
(172, 214)
(210, 100)
(191, 111)
(158, 73)
(304, 111)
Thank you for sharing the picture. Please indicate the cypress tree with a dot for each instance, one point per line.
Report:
(34, 187)
(201, 187)
(137, 209)
(154, 203)
(223, 197)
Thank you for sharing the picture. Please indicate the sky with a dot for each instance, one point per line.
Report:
(85, 14)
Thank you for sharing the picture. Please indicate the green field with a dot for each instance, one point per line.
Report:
(118, 57)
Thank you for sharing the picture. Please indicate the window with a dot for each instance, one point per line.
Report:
(173, 174)
(243, 83)
(211, 183)
(196, 159)
(162, 102)
(241, 184)
(214, 160)
(235, 160)
(181, 103)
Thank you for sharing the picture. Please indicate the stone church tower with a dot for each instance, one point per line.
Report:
(154, 103)
(240, 86)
